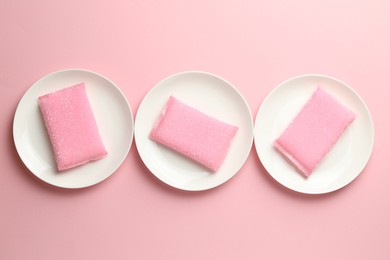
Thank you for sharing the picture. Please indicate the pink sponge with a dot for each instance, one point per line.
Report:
(314, 131)
(71, 127)
(193, 134)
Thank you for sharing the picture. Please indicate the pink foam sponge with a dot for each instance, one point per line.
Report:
(194, 134)
(71, 127)
(314, 131)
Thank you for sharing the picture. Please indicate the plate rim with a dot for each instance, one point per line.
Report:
(153, 89)
(52, 74)
(361, 100)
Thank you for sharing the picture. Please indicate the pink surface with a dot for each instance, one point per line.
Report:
(193, 133)
(314, 131)
(254, 44)
(71, 127)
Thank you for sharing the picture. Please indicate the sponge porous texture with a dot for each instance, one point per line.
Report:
(194, 134)
(314, 131)
(71, 127)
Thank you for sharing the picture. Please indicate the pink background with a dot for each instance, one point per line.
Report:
(253, 44)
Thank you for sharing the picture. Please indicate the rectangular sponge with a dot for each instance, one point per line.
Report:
(314, 131)
(71, 127)
(194, 134)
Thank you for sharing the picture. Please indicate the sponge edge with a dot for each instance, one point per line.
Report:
(314, 131)
(71, 127)
(194, 134)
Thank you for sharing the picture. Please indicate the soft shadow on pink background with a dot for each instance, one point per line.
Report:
(253, 44)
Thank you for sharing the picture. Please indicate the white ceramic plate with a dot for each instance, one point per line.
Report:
(346, 159)
(113, 117)
(215, 97)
